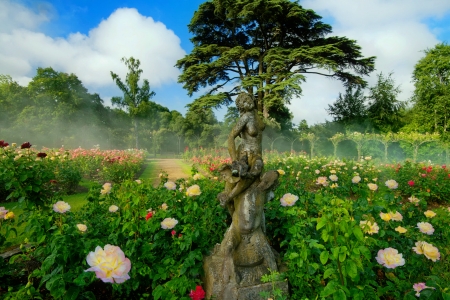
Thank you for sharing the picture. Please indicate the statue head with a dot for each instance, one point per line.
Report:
(245, 102)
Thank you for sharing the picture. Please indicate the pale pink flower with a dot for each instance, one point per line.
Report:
(333, 177)
(396, 216)
(425, 227)
(197, 176)
(322, 181)
(356, 179)
(413, 199)
(61, 207)
(82, 227)
(164, 206)
(193, 190)
(113, 208)
(418, 287)
(288, 199)
(138, 181)
(391, 184)
(3, 212)
(168, 223)
(106, 189)
(109, 265)
(170, 185)
(372, 186)
(390, 258)
(430, 251)
(317, 172)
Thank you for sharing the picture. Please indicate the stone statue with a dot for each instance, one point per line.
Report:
(234, 269)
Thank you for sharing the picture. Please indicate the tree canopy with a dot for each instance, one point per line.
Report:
(350, 108)
(264, 47)
(431, 97)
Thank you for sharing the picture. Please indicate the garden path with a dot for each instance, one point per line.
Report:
(175, 168)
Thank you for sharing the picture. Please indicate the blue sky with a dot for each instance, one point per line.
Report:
(89, 38)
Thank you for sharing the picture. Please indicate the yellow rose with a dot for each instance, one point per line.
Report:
(385, 217)
(281, 172)
(400, 229)
(9, 215)
(429, 214)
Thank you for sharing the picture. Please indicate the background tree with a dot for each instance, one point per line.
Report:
(264, 48)
(135, 97)
(431, 97)
(350, 108)
(384, 110)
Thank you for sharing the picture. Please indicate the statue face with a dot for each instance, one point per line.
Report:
(245, 103)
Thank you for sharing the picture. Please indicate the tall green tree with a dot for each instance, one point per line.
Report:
(384, 109)
(431, 97)
(264, 47)
(349, 108)
(135, 98)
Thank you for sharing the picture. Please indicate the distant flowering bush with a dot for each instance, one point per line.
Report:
(110, 265)
(170, 185)
(288, 199)
(168, 223)
(61, 207)
(390, 258)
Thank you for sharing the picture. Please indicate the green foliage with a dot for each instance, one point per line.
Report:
(350, 108)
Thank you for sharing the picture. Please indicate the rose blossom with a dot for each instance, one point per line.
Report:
(164, 206)
(168, 223)
(372, 186)
(396, 216)
(369, 227)
(3, 212)
(138, 181)
(9, 215)
(400, 229)
(61, 207)
(109, 265)
(196, 176)
(170, 185)
(193, 190)
(281, 172)
(418, 287)
(385, 217)
(390, 258)
(333, 177)
(429, 214)
(198, 294)
(411, 183)
(356, 179)
(425, 227)
(288, 199)
(414, 199)
(82, 227)
(149, 215)
(322, 180)
(113, 208)
(430, 251)
(106, 189)
(317, 172)
(391, 184)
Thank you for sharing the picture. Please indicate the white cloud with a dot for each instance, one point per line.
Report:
(394, 31)
(91, 57)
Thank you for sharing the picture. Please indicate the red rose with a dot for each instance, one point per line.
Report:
(173, 232)
(411, 183)
(149, 215)
(198, 294)
(25, 145)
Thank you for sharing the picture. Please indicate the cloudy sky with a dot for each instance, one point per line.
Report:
(89, 38)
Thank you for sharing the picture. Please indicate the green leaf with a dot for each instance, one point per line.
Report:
(357, 232)
(48, 262)
(351, 268)
(339, 295)
(322, 222)
(328, 273)
(324, 257)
